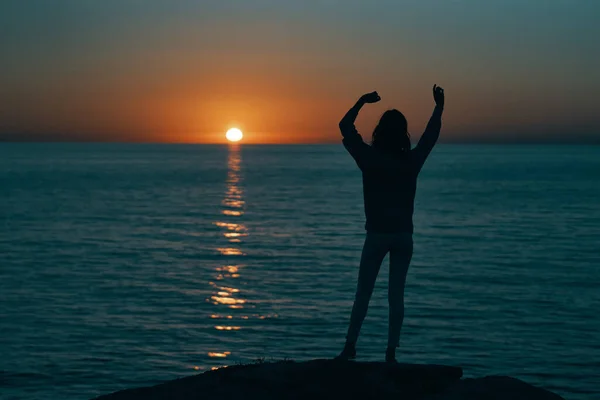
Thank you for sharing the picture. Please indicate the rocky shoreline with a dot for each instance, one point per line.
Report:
(330, 379)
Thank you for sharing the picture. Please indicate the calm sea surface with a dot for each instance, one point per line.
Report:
(128, 265)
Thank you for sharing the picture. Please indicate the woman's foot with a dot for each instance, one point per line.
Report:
(390, 355)
(349, 352)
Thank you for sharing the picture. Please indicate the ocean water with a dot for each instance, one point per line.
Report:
(127, 265)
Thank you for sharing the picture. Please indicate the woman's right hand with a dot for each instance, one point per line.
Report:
(372, 97)
(438, 95)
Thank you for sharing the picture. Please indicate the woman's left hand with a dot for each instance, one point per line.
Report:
(372, 97)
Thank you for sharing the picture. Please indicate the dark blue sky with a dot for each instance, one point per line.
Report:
(285, 71)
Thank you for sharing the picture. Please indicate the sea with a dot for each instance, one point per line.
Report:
(126, 265)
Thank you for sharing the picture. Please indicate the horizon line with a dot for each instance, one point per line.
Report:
(450, 143)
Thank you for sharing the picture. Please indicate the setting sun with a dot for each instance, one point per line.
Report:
(234, 135)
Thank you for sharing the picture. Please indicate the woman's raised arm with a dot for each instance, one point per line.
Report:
(347, 123)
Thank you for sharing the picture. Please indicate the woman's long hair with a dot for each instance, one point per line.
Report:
(391, 133)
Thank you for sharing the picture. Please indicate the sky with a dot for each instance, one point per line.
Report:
(185, 71)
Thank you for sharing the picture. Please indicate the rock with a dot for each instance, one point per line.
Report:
(318, 379)
(495, 388)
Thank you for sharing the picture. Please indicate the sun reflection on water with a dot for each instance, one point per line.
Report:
(225, 295)
(229, 251)
(227, 328)
(219, 355)
(232, 311)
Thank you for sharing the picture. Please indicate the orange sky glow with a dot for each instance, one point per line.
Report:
(150, 72)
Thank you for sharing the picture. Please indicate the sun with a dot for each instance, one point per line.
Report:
(234, 135)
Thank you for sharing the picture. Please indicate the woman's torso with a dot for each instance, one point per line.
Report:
(389, 195)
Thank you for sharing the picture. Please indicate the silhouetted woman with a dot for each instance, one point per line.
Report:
(389, 169)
